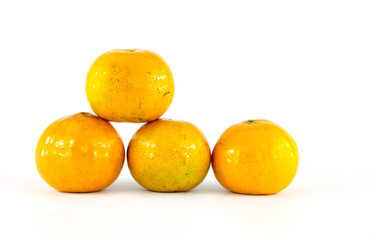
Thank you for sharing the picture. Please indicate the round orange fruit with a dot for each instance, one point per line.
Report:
(255, 157)
(80, 153)
(168, 156)
(129, 86)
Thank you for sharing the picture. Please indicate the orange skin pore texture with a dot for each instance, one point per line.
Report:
(80, 153)
(255, 157)
(129, 86)
(168, 156)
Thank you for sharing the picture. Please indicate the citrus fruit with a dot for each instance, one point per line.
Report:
(168, 156)
(255, 157)
(79, 153)
(129, 86)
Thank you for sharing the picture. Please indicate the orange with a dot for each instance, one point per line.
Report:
(168, 156)
(79, 153)
(255, 157)
(129, 86)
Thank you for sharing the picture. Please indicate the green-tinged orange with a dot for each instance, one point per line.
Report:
(168, 156)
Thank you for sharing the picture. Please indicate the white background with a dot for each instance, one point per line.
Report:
(307, 65)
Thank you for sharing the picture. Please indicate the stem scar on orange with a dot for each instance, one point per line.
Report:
(129, 86)
(255, 157)
(80, 153)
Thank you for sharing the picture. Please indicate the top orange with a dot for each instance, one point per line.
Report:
(129, 86)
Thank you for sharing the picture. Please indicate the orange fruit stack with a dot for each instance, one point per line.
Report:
(84, 153)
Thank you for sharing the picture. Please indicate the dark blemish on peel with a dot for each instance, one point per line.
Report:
(166, 94)
(148, 73)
